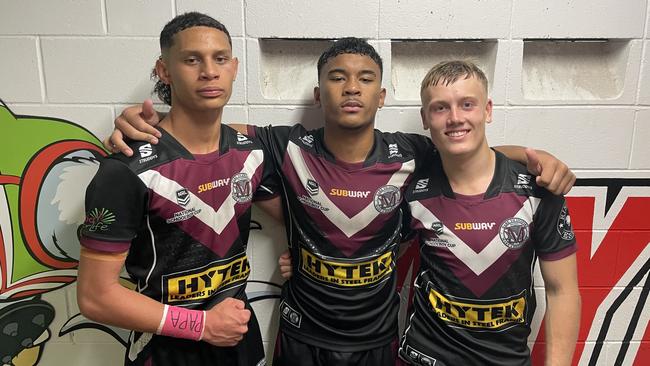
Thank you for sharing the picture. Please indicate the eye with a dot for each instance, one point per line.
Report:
(468, 105)
(192, 60)
(439, 108)
(336, 78)
(221, 59)
(367, 80)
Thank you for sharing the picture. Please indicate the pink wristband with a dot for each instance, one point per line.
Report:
(179, 322)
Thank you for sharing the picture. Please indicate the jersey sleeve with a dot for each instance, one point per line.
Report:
(552, 232)
(115, 208)
(270, 184)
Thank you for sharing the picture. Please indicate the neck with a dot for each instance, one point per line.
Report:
(350, 146)
(198, 131)
(470, 173)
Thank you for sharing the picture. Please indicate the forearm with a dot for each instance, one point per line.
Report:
(119, 306)
(513, 152)
(562, 322)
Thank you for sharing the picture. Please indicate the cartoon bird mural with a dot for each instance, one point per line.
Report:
(45, 166)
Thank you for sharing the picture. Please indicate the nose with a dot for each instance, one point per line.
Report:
(454, 115)
(209, 71)
(352, 87)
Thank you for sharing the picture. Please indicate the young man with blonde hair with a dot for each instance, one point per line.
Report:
(482, 222)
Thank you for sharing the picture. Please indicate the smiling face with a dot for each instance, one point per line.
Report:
(200, 69)
(350, 91)
(455, 114)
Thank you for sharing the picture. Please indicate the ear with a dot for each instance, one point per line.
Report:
(162, 72)
(382, 97)
(488, 111)
(425, 125)
(317, 96)
(235, 63)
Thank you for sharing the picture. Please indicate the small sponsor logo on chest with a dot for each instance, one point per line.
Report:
(474, 226)
(348, 193)
(214, 184)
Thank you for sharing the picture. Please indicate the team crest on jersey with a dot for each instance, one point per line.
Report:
(182, 197)
(564, 224)
(312, 187)
(514, 232)
(240, 186)
(387, 198)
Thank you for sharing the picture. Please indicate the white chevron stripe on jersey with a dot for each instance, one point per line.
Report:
(348, 225)
(477, 262)
(216, 220)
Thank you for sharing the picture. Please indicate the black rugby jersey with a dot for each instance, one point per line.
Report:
(343, 226)
(184, 220)
(474, 297)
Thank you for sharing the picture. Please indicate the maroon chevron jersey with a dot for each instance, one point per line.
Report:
(474, 298)
(344, 225)
(184, 219)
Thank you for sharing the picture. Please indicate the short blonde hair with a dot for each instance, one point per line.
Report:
(448, 72)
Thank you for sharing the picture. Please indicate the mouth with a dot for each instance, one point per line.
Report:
(351, 106)
(211, 92)
(456, 134)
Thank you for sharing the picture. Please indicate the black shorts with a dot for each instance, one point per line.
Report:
(291, 352)
(167, 351)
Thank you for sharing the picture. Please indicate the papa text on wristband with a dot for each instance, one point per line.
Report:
(179, 322)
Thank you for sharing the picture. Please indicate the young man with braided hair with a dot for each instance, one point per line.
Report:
(178, 215)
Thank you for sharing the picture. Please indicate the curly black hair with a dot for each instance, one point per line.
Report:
(180, 23)
(350, 45)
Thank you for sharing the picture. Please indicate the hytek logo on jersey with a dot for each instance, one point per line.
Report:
(337, 192)
(217, 183)
(492, 314)
(241, 188)
(564, 224)
(146, 153)
(312, 187)
(387, 198)
(469, 226)
(514, 232)
(207, 281)
(421, 185)
(523, 181)
(393, 151)
(98, 219)
(183, 197)
(346, 274)
(243, 140)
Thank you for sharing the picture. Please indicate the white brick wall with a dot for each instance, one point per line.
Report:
(84, 60)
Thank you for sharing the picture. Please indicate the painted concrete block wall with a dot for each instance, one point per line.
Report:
(571, 77)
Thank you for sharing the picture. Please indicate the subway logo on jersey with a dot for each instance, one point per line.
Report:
(479, 315)
(346, 274)
(207, 281)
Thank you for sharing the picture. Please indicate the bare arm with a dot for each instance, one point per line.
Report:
(552, 173)
(272, 207)
(562, 318)
(101, 298)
